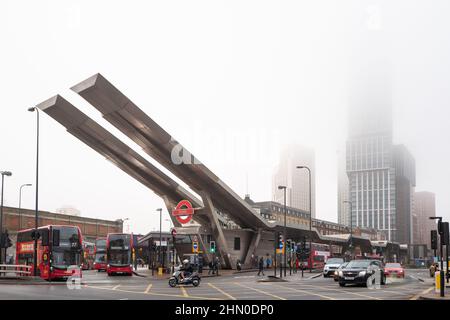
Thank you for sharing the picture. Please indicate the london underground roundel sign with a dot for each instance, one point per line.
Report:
(183, 212)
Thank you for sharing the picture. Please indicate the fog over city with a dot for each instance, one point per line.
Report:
(232, 81)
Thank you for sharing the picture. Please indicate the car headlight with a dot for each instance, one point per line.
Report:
(362, 273)
(336, 273)
(108, 265)
(340, 273)
(131, 266)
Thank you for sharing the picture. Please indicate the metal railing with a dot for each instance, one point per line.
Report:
(14, 270)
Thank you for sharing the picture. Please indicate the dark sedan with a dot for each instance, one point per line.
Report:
(359, 271)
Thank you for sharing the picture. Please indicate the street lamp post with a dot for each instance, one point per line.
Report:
(36, 214)
(160, 236)
(351, 226)
(8, 174)
(284, 231)
(441, 273)
(20, 202)
(310, 212)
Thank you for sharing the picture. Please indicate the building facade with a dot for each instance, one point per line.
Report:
(274, 211)
(15, 220)
(296, 180)
(381, 175)
(424, 207)
(343, 189)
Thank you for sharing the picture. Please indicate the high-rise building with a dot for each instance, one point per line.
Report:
(381, 175)
(343, 189)
(424, 207)
(405, 182)
(296, 180)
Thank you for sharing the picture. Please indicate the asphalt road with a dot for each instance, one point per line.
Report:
(235, 287)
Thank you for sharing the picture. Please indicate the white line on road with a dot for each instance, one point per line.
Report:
(184, 292)
(343, 291)
(260, 291)
(423, 292)
(221, 291)
(148, 288)
(115, 287)
(307, 292)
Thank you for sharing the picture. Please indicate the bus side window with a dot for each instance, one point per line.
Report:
(44, 237)
(55, 238)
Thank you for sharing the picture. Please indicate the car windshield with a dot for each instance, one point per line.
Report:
(393, 265)
(342, 266)
(335, 261)
(355, 264)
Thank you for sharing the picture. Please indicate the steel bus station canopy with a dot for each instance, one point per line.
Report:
(215, 199)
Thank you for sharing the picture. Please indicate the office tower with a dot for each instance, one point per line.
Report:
(296, 180)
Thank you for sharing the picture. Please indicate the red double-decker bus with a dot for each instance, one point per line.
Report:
(59, 251)
(317, 256)
(119, 248)
(100, 254)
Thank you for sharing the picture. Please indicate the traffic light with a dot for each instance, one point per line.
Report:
(212, 246)
(5, 241)
(434, 240)
(280, 241)
(35, 235)
(288, 245)
(445, 235)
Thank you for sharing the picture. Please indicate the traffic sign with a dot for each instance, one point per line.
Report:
(183, 212)
(194, 247)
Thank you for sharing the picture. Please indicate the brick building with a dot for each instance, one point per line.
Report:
(91, 228)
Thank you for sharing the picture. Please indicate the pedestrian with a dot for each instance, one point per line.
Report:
(268, 262)
(238, 265)
(211, 267)
(217, 265)
(261, 266)
(200, 264)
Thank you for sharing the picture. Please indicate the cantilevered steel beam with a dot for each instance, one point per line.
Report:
(95, 136)
(155, 141)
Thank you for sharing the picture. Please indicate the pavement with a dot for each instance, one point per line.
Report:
(229, 286)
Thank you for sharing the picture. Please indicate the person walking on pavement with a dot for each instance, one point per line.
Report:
(216, 265)
(261, 266)
(211, 267)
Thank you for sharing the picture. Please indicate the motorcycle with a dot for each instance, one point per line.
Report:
(193, 279)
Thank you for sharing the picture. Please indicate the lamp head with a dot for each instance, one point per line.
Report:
(301, 167)
(281, 187)
(6, 173)
(32, 109)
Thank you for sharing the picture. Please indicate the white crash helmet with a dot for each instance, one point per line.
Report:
(185, 261)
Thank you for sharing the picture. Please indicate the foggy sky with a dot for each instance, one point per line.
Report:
(233, 81)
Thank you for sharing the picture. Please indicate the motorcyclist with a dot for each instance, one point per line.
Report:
(186, 269)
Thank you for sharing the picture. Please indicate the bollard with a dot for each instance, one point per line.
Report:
(437, 281)
(160, 271)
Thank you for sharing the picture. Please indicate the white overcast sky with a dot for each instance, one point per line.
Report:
(231, 80)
